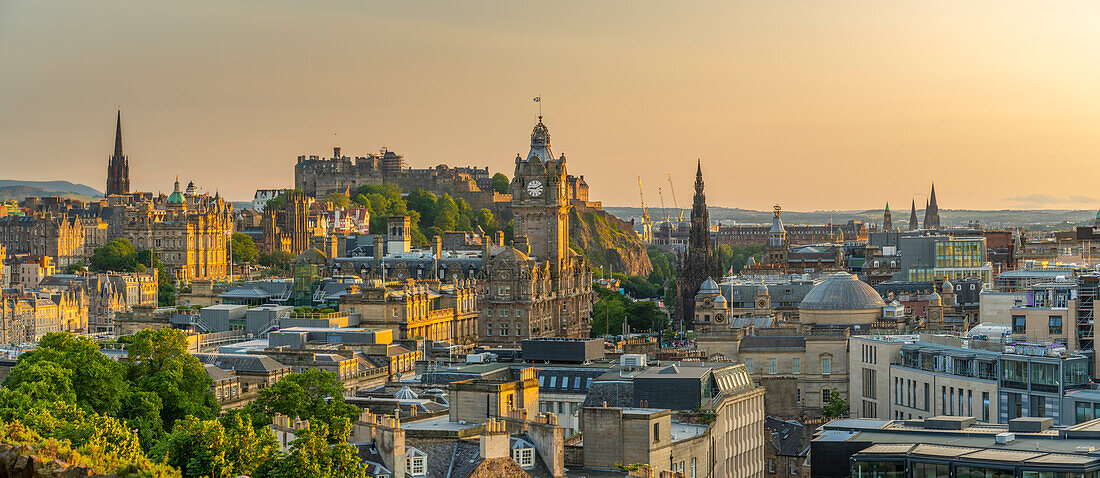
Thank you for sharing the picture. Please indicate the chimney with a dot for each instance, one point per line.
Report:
(379, 252)
(499, 236)
(495, 441)
(486, 247)
(336, 152)
(522, 245)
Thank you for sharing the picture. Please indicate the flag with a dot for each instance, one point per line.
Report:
(537, 99)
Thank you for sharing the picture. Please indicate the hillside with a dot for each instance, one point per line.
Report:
(54, 186)
(951, 217)
(608, 241)
(14, 190)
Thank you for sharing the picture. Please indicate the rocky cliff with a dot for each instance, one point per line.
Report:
(608, 241)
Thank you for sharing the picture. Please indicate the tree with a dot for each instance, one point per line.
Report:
(244, 248)
(644, 316)
(96, 382)
(313, 395)
(486, 220)
(500, 183)
(159, 362)
(835, 406)
(76, 268)
(117, 256)
(279, 260)
(279, 202)
(210, 448)
(321, 451)
(338, 200)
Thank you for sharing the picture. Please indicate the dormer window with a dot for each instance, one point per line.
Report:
(523, 452)
(416, 462)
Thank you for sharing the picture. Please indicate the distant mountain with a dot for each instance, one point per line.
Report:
(1042, 218)
(54, 186)
(13, 190)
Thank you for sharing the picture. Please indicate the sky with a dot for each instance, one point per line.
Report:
(814, 105)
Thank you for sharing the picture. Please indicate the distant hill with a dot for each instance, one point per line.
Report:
(1033, 218)
(15, 190)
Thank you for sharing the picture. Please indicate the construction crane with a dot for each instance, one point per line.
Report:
(674, 202)
(663, 208)
(647, 224)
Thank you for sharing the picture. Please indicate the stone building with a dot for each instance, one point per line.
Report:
(288, 230)
(189, 234)
(413, 309)
(44, 234)
(110, 293)
(668, 445)
(539, 286)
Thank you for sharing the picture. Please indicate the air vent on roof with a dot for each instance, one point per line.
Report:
(1085, 449)
(1005, 438)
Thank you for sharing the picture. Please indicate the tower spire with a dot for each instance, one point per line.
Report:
(118, 134)
(913, 225)
(118, 168)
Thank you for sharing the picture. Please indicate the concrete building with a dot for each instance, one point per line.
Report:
(954, 446)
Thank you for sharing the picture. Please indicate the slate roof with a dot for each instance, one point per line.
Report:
(786, 436)
(242, 362)
(217, 374)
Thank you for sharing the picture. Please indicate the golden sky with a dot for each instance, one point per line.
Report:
(809, 104)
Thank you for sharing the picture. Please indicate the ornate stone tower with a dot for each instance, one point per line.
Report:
(699, 263)
(887, 221)
(539, 202)
(777, 248)
(118, 168)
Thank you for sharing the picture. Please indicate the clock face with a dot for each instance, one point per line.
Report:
(719, 318)
(534, 188)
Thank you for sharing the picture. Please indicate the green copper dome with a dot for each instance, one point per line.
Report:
(176, 197)
(1098, 214)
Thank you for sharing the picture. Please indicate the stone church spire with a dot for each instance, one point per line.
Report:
(913, 224)
(932, 212)
(699, 263)
(118, 167)
(887, 221)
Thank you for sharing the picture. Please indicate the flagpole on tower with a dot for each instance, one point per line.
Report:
(538, 99)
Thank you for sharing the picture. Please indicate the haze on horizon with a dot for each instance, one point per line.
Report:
(812, 105)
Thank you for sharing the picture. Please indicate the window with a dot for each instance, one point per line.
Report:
(796, 366)
(1019, 324)
(1055, 325)
(826, 365)
(553, 382)
(825, 393)
(416, 465)
(525, 457)
(489, 330)
(772, 366)
(656, 432)
(798, 395)
(748, 365)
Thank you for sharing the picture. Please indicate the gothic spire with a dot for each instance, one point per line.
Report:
(118, 135)
(913, 225)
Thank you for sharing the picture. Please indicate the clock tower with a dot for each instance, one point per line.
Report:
(540, 205)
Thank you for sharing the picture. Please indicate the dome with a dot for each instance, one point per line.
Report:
(405, 393)
(176, 197)
(1098, 214)
(709, 287)
(946, 287)
(761, 287)
(842, 291)
(935, 299)
(721, 299)
(511, 254)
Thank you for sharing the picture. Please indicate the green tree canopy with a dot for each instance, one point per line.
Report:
(201, 448)
(835, 406)
(321, 451)
(244, 249)
(279, 202)
(338, 200)
(278, 260)
(160, 363)
(500, 183)
(73, 366)
(313, 395)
